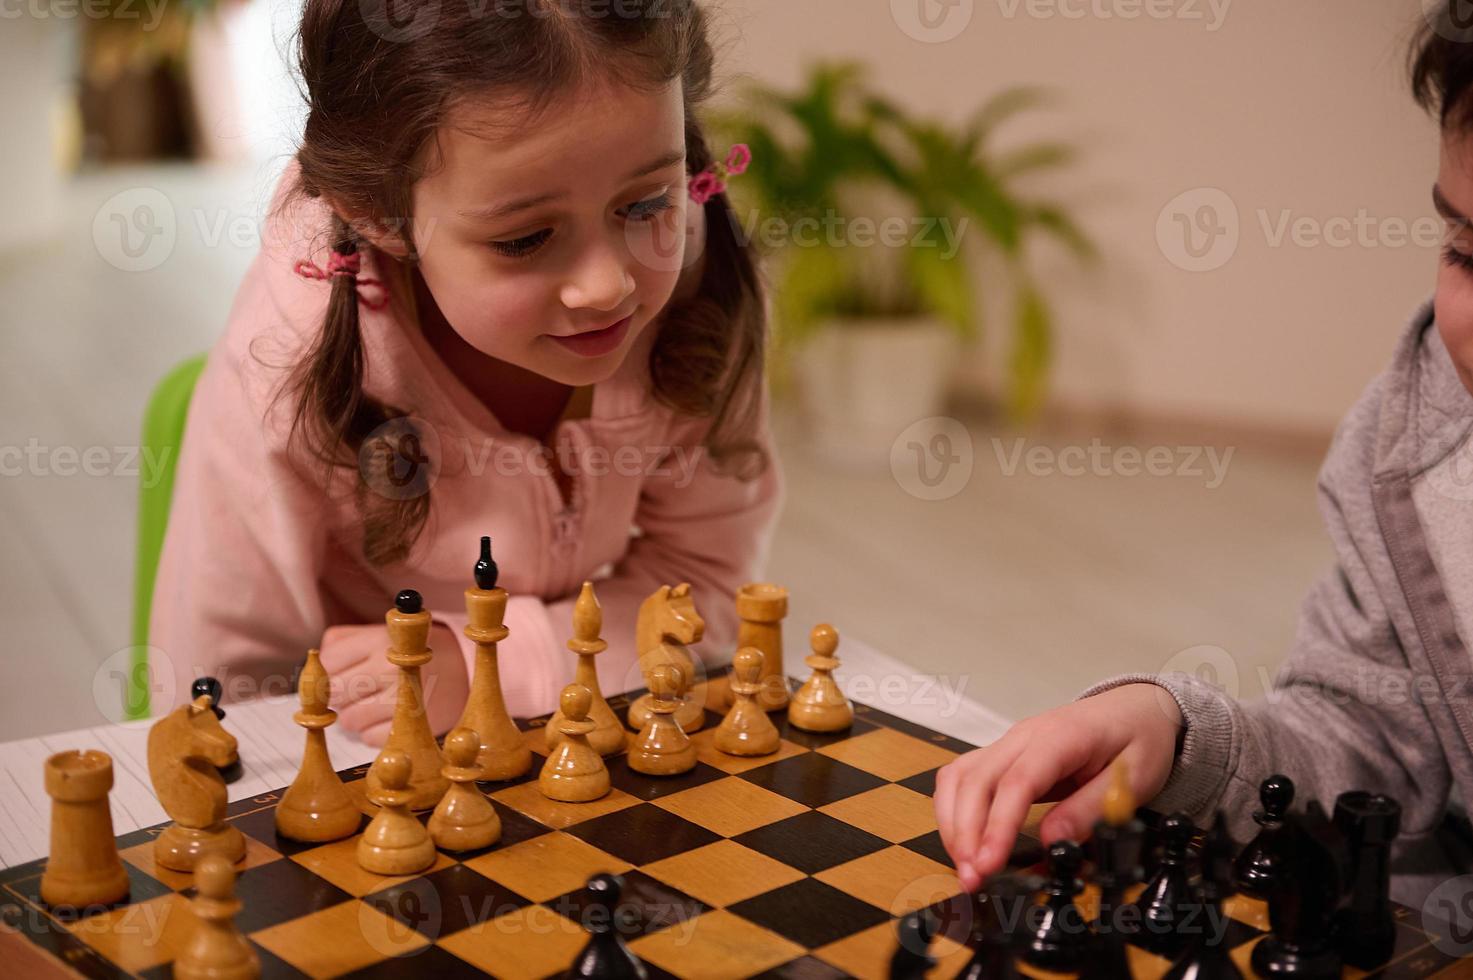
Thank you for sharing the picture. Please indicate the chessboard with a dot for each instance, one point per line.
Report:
(793, 865)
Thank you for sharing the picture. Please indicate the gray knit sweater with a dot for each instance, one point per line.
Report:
(1377, 690)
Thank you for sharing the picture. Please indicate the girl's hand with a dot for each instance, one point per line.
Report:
(982, 798)
(365, 685)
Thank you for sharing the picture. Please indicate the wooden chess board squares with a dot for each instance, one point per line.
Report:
(707, 753)
(730, 806)
(890, 811)
(723, 873)
(889, 754)
(724, 945)
(546, 866)
(895, 879)
(340, 939)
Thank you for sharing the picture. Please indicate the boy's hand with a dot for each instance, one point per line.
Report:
(982, 798)
(365, 685)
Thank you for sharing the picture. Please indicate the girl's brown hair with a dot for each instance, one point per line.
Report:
(379, 88)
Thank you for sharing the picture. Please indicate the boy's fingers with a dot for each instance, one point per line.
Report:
(973, 800)
(1077, 812)
(356, 688)
(1017, 790)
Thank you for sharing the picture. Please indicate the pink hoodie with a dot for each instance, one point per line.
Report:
(259, 560)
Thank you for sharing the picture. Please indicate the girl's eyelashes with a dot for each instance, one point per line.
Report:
(1453, 257)
(518, 248)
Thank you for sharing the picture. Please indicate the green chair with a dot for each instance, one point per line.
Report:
(163, 435)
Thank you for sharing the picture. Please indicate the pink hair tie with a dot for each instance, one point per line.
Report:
(376, 296)
(712, 181)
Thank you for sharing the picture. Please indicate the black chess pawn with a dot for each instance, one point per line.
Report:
(1258, 866)
(1060, 938)
(1168, 897)
(1117, 843)
(1208, 955)
(605, 957)
(1365, 928)
(912, 959)
(1301, 908)
(998, 927)
(202, 686)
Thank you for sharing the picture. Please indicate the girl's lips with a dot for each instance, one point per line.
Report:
(597, 343)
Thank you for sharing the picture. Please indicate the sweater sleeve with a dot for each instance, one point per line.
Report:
(237, 593)
(1344, 712)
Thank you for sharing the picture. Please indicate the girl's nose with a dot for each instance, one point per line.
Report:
(602, 280)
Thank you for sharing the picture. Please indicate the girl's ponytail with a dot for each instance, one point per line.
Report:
(344, 427)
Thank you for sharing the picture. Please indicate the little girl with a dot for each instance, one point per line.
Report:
(499, 292)
(1377, 692)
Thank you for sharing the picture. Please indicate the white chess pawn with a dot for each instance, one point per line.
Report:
(819, 705)
(395, 843)
(216, 950)
(574, 772)
(464, 820)
(746, 729)
(663, 748)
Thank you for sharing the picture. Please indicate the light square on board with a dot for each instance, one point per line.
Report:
(547, 866)
(716, 946)
(890, 811)
(340, 939)
(138, 936)
(530, 942)
(896, 879)
(730, 806)
(866, 955)
(338, 863)
(141, 856)
(706, 751)
(723, 873)
(888, 754)
(528, 799)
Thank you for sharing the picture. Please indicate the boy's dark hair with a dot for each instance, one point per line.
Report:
(1441, 63)
(378, 88)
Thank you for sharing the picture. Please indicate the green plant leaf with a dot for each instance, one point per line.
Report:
(944, 286)
(1032, 350)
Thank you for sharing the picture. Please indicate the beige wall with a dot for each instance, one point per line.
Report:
(1284, 105)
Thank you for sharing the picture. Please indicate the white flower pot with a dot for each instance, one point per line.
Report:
(862, 382)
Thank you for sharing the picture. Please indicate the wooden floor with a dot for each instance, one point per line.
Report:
(1024, 588)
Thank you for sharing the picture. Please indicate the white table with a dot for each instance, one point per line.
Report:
(271, 746)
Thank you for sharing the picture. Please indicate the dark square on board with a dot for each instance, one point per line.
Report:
(643, 787)
(810, 913)
(427, 961)
(279, 891)
(642, 834)
(646, 905)
(261, 825)
(812, 842)
(812, 779)
(446, 902)
(817, 740)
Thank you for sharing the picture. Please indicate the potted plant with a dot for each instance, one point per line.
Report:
(870, 212)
